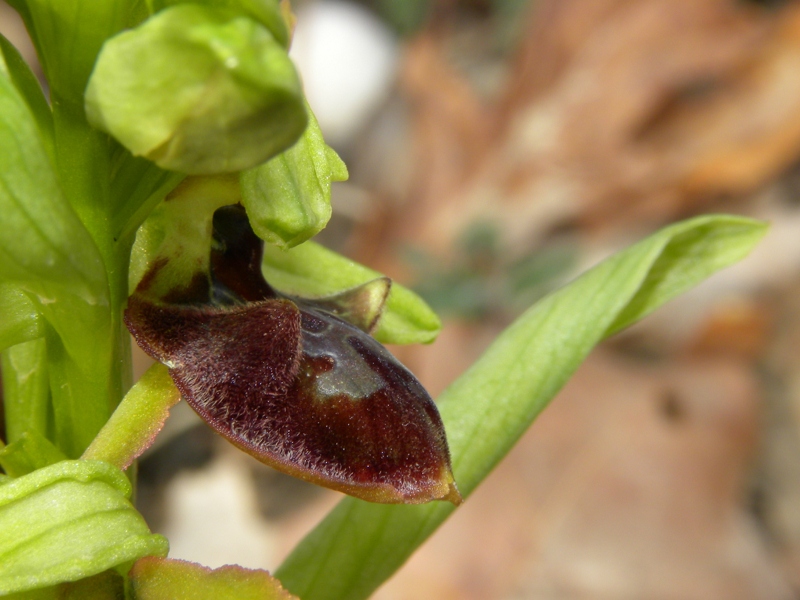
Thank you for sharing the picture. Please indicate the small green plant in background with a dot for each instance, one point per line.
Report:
(172, 183)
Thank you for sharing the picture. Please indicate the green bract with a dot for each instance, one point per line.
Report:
(69, 521)
(288, 198)
(50, 255)
(14, 67)
(198, 90)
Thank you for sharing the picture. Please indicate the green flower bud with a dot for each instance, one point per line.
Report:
(198, 90)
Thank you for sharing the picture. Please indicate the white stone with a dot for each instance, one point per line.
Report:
(348, 60)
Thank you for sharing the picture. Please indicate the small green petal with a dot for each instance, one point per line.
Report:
(288, 198)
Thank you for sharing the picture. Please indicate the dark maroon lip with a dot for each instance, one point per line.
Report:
(297, 382)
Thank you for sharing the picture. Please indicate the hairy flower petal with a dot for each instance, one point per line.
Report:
(297, 382)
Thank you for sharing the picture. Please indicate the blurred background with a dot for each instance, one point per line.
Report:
(497, 148)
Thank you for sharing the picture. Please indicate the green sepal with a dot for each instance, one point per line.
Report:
(288, 198)
(266, 12)
(30, 452)
(313, 270)
(20, 320)
(485, 411)
(69, 521)
(197, 90)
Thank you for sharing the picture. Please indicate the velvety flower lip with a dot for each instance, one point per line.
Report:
(296, 382)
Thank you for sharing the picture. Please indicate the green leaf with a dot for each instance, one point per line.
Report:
(169, 579)
(137, 420)
(266, 12)
(14, 67)
(359, 545)
(53, 259)
(30, 452)
(197, 90)
(68, 35)
(313, 270)
(26, 389)
(20, 320)
(49, 243)
(69, 521)
(288, 198)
